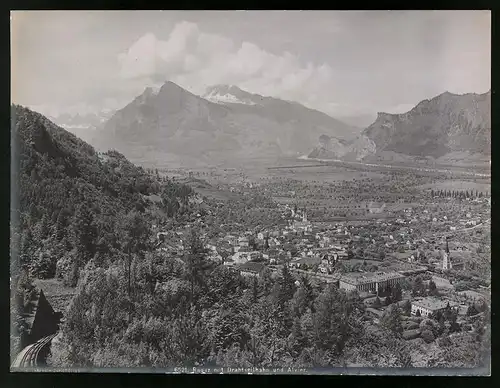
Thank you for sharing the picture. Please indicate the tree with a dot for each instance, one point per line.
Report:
(427, 335)
(287, 285)
(441, 322)
(336, 320)
(447, 313)
(61, 224)
(388, 300)
(454, 326)
(265, 281)
(471, 310)
(84, 233)
(391, 320)
(135, 234)
(396, 293)
(190, 338)
(407, 307)
(377, 304)
(298, 341)
(418, 286)
(418, 314)
(303, 298)
(432, 288)
(255, 290)
(196, 263)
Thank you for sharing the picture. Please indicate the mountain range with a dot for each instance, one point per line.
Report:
(448, 128)
(226, 123)
(171, 126)
(82, 125)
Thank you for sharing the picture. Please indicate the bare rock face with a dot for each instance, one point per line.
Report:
(446, 125)
(436, 127)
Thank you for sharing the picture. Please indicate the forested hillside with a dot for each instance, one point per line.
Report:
(72, 205)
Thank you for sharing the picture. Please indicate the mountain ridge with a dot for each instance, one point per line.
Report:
(174, 121)
(433, 129)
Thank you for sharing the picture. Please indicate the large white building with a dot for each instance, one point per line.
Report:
(430, 305)
(369, 281)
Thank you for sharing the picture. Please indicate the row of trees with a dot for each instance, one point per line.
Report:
(458, 194)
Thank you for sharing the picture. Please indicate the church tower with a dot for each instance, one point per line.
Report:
(446, 257)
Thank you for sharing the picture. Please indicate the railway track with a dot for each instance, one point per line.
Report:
(30, 355)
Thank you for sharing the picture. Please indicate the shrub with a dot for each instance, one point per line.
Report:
(429, 324)
(427, 336)
(444, 341)
(411, 334)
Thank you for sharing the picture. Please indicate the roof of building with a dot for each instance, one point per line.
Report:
(472, 294)
(404, 255)
(252, 266)
(369, 277)
(308, 260)
(433, 304)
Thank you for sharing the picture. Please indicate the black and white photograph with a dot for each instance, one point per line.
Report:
(251, 192)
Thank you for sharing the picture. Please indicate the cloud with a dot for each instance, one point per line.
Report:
(195, 60)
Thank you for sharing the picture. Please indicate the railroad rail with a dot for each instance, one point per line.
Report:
(30, 355)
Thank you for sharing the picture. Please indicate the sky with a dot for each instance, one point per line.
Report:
(344, 63)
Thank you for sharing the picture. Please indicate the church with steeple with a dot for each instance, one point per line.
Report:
(304, 224)
(447, 263)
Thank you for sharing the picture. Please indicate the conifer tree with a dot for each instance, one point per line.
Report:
(407, 307)
(255, 290)
(135, 234)
(392, 320)
(196, 263)
(84, 233)
(287, 285)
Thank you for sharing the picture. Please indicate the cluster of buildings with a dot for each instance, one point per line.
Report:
(302, 245)
(316, 248)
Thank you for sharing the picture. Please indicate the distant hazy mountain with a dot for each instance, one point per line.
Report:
(446, 127)
(361, 120)
(226, 123)
(82, 125)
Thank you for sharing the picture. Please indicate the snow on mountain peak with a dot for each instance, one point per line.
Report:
(223, 94)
